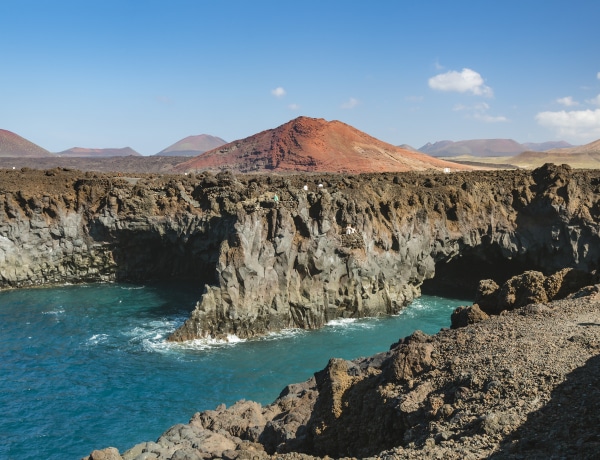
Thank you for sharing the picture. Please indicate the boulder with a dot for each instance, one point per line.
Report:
(109, 453)
(463, 316)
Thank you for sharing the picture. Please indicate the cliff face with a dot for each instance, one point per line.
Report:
(270, 264)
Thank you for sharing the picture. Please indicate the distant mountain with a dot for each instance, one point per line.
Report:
(475, 147)
(583, 156)
(13, 145)
(543, 146)
(592, 147)
(98, 153)
(487, 147)
(314, 145)
(192, 146)
(408, 147)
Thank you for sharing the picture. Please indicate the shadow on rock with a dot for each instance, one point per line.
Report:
(566, 427)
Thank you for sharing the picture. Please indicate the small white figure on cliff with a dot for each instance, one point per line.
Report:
(350, 230)
(305, 188)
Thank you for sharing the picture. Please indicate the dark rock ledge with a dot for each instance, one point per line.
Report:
(265, 265)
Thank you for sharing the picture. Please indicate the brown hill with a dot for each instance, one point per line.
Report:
(192, 146)
(583, 157)
(314, 145)
(13, 145)
(98, 153)
(592, 147)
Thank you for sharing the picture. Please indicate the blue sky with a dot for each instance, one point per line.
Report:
(147, 73)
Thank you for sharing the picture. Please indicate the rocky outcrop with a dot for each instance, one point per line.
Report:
(465, 315)
(290, 263)
(66, 227)
(330, 246)
(530, 287)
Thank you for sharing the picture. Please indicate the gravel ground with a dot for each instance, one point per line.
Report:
(522, 385)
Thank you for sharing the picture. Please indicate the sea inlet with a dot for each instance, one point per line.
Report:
(88, 366)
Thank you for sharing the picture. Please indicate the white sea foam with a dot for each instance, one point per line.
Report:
(132, 288)
(152, 337)
(206, 343)
(97, 339)
(53, 312)
(341, 322)
(351, 324)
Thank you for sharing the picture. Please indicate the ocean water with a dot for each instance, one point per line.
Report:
(87, 367)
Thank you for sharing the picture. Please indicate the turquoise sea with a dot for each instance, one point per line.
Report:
(87, 367)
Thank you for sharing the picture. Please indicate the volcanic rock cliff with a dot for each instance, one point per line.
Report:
(273, 255)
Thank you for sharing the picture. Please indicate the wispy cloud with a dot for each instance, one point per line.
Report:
(350, 104)
(594, 100)
(575, 124)
(580, 124)
(278, 92)
(567, 101)
(479, 112)
(465, 81)
(490, 118)
(294, 107)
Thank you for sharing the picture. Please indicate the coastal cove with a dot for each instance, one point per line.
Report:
(88, 365)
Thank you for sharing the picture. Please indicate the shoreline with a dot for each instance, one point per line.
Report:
(519, 384)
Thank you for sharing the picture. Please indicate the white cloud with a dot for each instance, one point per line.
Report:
(350, 104)
(594, 100)
(466, 80)
(598, 75)
(278, 92)
(489, 118)
(580, 124)
(293, 107)
(567, 101)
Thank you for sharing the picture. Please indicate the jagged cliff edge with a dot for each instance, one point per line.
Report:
(268, 265)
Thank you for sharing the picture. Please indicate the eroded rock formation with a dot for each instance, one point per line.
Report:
(269, 264)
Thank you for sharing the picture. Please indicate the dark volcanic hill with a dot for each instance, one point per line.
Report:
(13, 145)
(98, 153)
(314, 145)
(192, 146)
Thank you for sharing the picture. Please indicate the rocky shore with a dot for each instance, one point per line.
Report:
(519, 385)
(274, 252)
